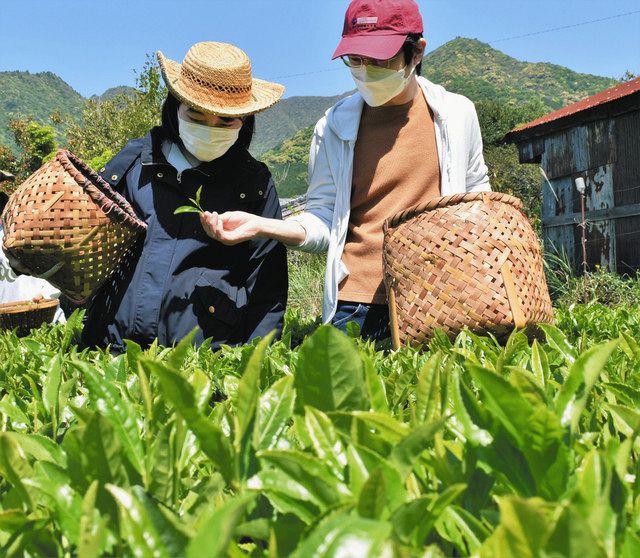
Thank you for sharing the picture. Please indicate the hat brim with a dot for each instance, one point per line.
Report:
(264, 94)
(381, 47)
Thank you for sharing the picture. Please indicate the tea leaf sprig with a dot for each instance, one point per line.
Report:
(195, 208)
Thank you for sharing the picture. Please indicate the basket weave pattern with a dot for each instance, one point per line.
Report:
(26, 315)
(468, 260)
(66, 224)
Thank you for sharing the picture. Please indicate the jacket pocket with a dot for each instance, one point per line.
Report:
(221, 303)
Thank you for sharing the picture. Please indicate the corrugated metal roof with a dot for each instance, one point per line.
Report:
(606, 96)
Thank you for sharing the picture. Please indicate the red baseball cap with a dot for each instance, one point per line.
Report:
(378, 28)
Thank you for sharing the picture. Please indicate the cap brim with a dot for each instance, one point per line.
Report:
(381, 47)
(264, 94)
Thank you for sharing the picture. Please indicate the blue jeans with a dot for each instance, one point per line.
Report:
(373, 319)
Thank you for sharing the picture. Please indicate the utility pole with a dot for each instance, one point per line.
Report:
(581, 187)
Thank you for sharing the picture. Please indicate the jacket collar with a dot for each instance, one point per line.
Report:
(344, 117)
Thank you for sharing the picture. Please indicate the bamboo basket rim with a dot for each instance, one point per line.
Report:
(445, 201)
(99, 190)
(20, 306)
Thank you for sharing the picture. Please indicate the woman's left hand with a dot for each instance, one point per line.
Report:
(231, 227)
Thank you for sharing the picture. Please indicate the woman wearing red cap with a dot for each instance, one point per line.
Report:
(398, 142)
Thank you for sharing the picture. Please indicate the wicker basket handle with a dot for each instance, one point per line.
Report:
(519, 319)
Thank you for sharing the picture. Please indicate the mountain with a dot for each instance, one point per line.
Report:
(37, 95)
(113, 92)
(480, 72)
(286, 118)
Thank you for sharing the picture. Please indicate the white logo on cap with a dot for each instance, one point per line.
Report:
(366, 21)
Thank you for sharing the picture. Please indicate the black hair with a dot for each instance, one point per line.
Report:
(169, 124)
(410, 47)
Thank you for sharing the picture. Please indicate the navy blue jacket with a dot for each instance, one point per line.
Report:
(178, 278)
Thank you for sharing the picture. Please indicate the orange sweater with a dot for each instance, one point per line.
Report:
(395, 167)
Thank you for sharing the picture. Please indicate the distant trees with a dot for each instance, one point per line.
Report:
(506, 173)
(106, 126)
(288, 163)
(628, 76)
(37, 144)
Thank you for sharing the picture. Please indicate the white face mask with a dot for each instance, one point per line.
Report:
(379, 85)
(206, 143)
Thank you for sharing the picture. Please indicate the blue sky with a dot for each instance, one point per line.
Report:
(97, 44)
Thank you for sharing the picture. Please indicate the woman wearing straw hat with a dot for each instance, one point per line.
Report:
(179, 278)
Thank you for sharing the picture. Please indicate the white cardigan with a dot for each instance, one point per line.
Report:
(326, 215)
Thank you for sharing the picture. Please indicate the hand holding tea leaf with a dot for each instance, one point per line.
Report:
(232, 227)
(195, 208)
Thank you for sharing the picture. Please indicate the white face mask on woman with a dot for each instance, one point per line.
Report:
(379, 85)
(206, 143)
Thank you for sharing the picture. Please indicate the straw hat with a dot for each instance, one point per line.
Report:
(215, 78)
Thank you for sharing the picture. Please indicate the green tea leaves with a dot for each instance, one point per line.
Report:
(330, 374)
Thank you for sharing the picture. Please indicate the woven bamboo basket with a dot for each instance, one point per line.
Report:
(67, 225)
(469, 260)
(26, 315)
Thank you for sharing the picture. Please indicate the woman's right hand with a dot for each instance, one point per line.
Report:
(234, 227)
(231, 227)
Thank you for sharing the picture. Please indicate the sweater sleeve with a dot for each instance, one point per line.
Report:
(317, 217)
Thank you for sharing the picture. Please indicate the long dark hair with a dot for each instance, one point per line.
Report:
(4, 198)
(169, 124)
(409, 47)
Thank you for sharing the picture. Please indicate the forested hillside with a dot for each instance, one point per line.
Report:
(481, 72)
(36, 95)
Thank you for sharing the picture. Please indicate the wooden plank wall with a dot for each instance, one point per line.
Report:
(626, 179)
(606, 153)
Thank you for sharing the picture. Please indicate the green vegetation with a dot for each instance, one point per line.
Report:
(306, 282)
(328, 449)
(37, 144)
(114, 92)
(480, 72)
(505, 171)
(289, 162)
(286, 118)
(23, 94)
(598, 287)
(106, 126)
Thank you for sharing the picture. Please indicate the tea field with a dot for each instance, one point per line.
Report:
(330, 449)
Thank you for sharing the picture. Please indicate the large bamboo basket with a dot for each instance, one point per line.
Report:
(25, 315)
(66, 224)
(469, 260)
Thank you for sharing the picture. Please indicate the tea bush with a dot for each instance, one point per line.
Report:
(330, 449)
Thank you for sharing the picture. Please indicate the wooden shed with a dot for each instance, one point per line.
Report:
(597, 139)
